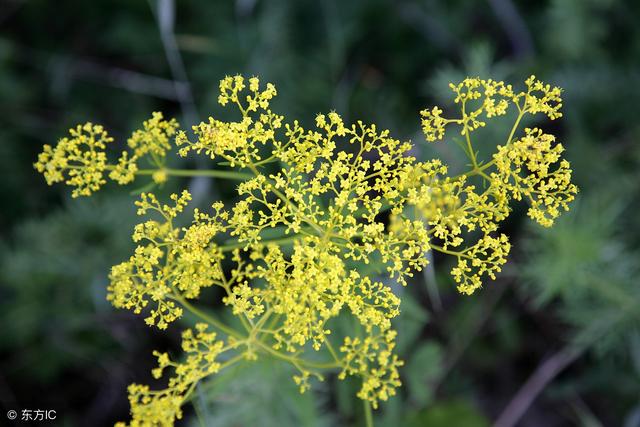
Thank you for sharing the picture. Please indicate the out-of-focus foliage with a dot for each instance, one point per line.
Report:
(271, 392)
(589, 271)
(65, 62)
(56, 322)
(60, 285)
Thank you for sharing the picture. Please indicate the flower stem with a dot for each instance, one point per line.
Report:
(241, 176)
(368, 416)
(207, 317)
(293, 359)
(282, 240)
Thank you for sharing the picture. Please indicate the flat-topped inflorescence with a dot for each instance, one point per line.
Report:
(314, 209)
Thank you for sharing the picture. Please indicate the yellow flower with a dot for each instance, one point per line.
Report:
(532, 168)
(372, 358)
(151, 142)
(169, 261)
(485, 258)
(315, 206)
(79, 161)
(163, 407)
(159, 176)
(154, 137)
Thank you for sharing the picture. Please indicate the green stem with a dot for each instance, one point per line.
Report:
(281, 240)
(207, 317)
(212, 173)
(286, 200)
(197, 172)
(293, 359)
(517, 122)
(479, 170)
(368, 416)
(448, 252)
(189, 395)
(472, 155)
(332, 350)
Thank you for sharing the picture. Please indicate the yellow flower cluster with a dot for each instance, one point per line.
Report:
(163, 407)
(152, 142)
(235, 141)
(490, 98)
(171, 262)
(313, 208)
(525, 169)
(79, 161)
(372, 358)
(485, 258)
(306, 309)
(529, 167)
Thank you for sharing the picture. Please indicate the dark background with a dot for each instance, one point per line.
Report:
(566, 308)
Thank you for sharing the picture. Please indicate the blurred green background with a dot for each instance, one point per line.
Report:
(555, 341)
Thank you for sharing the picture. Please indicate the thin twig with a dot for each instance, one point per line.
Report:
(585, 415)
(131, 81)
(550, 368)
(537, 382)
(89, 69)
(165, 17)
(165, 12)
